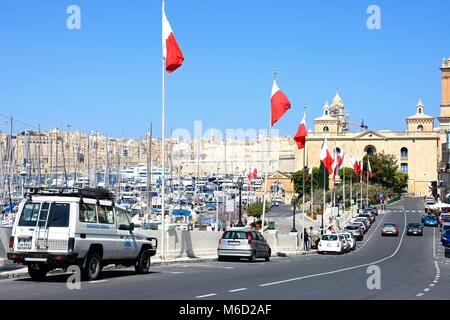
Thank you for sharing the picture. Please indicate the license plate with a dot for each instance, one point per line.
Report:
(329, 245)
(24, 243)
(234, 243)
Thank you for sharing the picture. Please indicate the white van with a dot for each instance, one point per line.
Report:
(58, 228)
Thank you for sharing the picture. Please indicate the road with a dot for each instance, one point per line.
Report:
(410, 268)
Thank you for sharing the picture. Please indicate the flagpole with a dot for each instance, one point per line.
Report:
(343, 188)
(268, 165)
(163, 152)
(351, 191)
(367, 180)
(361, 184)
(305, 166)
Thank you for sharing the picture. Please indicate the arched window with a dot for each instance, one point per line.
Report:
(326, 112)
(404, 168)
(420, 110)
(370, 150)
(326, 129)
(404, 152)
(420, 128)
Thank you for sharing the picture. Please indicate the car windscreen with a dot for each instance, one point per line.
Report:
(29, 216)
(352, 227)
(329, 237)
(414, 225)
(235, 235)
(446, 233)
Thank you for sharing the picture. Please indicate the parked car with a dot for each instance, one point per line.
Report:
(414, 229)
(373, 210)
(390, 229)
(430, 220)
(445, 238)
(365, 220)
(361, 224)
(356, 230)
(243, 243)
(445, 226)
(330, 243)
(444, 217)
(350, 238)
(82, 227)
(369, 215)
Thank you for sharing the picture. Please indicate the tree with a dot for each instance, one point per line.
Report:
(297, 179)
(386, 172)
(256, 209)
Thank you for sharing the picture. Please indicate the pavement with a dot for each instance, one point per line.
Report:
(404, 267)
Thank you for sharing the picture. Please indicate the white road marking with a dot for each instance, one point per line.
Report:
(344, 269)
(237, 290)
(177, 272)
(426, 289)
(420, 294)
(434, 242)
(206, 296)
(432, 285)
(98, 281)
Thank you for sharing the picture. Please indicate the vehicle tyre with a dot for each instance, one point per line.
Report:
(268, 256)
(93, 267)
(37, 272)
(220, 258)
(252, 257)
(143, 262)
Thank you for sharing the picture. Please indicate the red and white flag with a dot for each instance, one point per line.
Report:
(338, 163)
(369, 167)
(171, 51)
(302, 133)
(326, 158)
(280, 103)
(354, 164)
(255, 173)
(249, 176)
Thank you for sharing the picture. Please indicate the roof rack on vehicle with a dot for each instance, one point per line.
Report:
(93, 193)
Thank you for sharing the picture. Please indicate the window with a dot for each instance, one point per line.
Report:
(235, 235)
(370, 150)
(29, 215)
(326, 129)
(404, 152)
(404, 167)
(122, 219)
(420, 110)
(419, 128)
(59, 215)
(326, 112)
(105, 214)
(88, 213)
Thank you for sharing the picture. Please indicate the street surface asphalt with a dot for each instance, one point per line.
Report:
(411, 268)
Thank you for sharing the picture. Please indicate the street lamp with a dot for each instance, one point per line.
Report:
(323, 212)
(294, 206)
(239, 184)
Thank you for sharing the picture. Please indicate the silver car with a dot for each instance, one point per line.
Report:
(356, 230)
(243, 243)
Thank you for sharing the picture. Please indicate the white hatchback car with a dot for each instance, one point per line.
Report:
(59, 228)
(330, 243)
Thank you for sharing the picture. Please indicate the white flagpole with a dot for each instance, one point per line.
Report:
(163, 151)
(268, 166)
(305, 166)
(351, 191)
(343, 186)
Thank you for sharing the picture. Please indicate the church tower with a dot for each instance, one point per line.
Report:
(444, 117)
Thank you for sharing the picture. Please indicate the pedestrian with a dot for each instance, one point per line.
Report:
(305, 240)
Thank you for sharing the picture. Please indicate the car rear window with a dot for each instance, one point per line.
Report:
(235, 235)
(389, 225)
(352, 227)
(329, 237)
(29, 216)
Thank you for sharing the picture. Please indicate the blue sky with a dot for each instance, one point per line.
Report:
(107, 76)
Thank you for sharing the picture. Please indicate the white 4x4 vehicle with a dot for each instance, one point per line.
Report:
(59, 228)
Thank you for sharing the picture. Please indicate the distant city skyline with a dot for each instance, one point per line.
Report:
(106, 76)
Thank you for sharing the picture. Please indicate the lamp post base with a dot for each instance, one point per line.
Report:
(240, 224)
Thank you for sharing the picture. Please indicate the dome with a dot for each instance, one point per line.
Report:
(337, 101)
